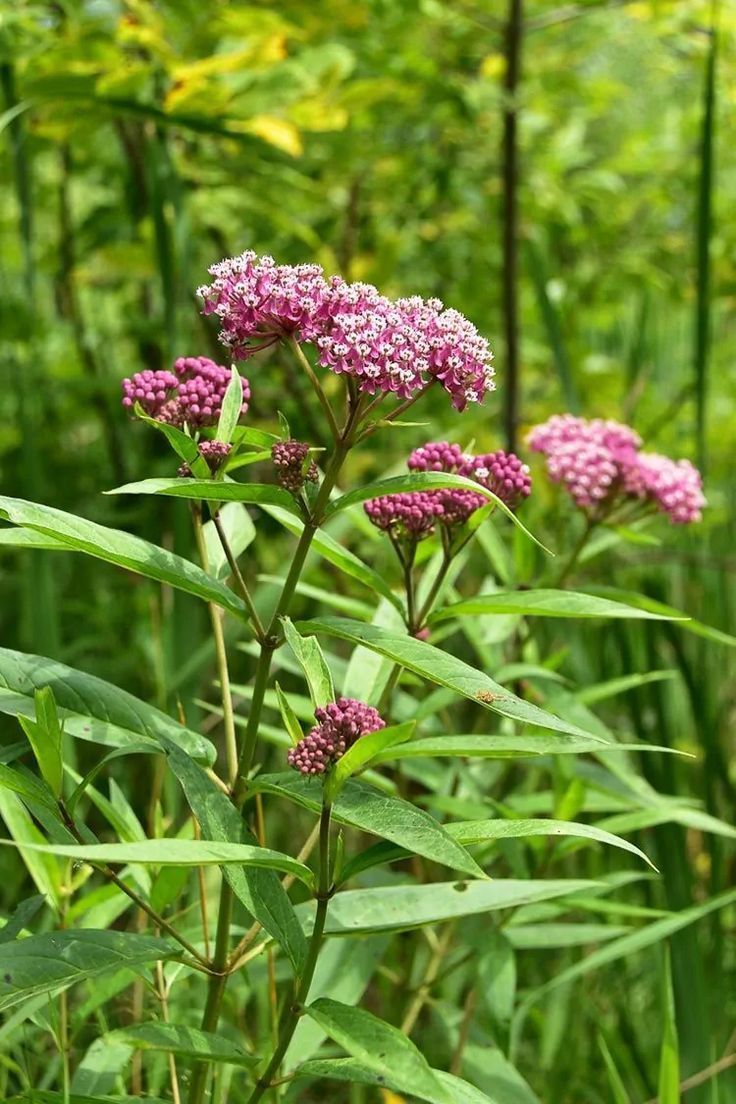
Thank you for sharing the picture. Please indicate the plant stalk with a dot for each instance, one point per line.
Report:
(291, 1015)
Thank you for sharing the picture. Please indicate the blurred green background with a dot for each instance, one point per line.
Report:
(389, 141)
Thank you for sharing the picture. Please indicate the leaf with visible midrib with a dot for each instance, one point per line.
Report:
(342, 558)
(259, 890)
(52, 962)
(212, 491)
(392, 818)
(441, 668)
(189, 1042)
(89, 707)
(402, 907)
(548, 603)
(380, 1046)
(426, 481)
(176, 852)
(357, 1072)
(481, 831)
(122, 549)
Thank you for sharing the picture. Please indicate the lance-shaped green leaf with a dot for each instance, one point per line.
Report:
(183, 445)
(312, 662)
(546, 603)
(391, 818)
(212, 491)
(51, 963)
(402, 907)
(365, 750)
(329, 549)
(356, 1072)
(482, 831)
(231, 407)
(28, 787)
(505, 747)
(89, 707)
(122, 549)
(425, 481)
(260, 891)
(186, 1042)
(650, 605)
(379, 1046)
(176, 852)
(288, 716)
(21, 917)
(441, 668)
(44, 736)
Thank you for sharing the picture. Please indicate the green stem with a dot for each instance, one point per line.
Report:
(317, 387)
(216, 988)
(434, 589)
(567, 567)
(238, 576)
(293, 1011)
(223, 673)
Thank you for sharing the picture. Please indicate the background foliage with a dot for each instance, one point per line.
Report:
(141, 142)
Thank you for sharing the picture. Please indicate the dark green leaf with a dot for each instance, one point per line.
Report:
(188, 1042)
(441, 668)
(366, 808)
(52, 962)
(90, 708)
(260, 891)
(122, 549)
(546, 603)
(380, 1047)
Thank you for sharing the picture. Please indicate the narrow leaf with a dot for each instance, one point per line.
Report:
(312, 662)
(212, 491)
(380, 1047)
(391, 818)
(441, 668)
(547, 603)
(480, 831)
(176, 852)
(52, 962)
(231, 406)
(187, 1042)
(122, 549)
(89, 707)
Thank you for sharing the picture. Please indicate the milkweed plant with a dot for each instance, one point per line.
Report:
(202, 962)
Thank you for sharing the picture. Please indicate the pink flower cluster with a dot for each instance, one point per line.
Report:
(411, 515)
(674, 486)
(599, 463)
(414, 514)
(192, 393)
(395, 346)
(339, 725)
(255, 298)
(289, 460)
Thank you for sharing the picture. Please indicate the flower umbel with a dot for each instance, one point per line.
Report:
(390, 346)
(192, 394)
(292, 469)
(600, 465)
(258, 302)
(339, 725)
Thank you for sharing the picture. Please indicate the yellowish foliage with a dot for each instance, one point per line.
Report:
(277, 132)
